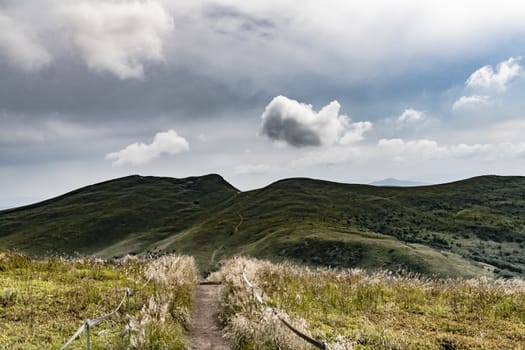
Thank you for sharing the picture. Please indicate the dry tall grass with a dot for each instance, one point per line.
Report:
(252, 326)
(354, 309)
(158, 324)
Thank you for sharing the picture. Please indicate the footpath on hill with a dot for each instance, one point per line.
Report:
(206, 331)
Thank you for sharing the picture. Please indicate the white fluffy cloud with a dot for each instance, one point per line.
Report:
(402, 150)
(488, 78)
(118, 37)
(423, 149)
(410, 116)
(355, 132)
(169, 143)
(489, 81)
(470, 101)
(19, 48)
(412, 151)
(297, 124)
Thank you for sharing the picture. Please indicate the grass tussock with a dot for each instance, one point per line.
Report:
(162, 319)
(43, 302)
(352, 309)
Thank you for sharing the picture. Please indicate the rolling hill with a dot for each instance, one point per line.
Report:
(466, 228)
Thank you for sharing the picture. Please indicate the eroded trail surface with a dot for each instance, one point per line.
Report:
(206, 332)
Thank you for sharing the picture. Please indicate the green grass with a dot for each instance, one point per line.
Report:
(43, 302)
(371, 311)
(467, 228)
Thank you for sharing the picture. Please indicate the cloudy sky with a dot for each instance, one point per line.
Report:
(350, 91)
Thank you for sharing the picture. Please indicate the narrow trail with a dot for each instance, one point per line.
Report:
(206, 332)
(236, 229)
(214, 254)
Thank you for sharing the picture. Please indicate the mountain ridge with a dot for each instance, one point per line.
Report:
(464, 228)
(105, 182)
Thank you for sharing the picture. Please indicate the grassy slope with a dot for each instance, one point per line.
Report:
(43, 302)
(133, 212)
(466, 228)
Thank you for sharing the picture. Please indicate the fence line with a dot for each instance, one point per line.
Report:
(88, 324)
(316, 343)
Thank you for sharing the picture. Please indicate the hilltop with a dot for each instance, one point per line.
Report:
(466, 228)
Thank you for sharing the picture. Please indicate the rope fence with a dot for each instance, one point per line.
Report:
(320, 345)
(89, 324)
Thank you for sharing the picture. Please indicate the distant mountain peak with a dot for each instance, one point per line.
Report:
(396, 183)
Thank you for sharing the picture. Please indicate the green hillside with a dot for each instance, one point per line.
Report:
(465, 228)
(135, 209)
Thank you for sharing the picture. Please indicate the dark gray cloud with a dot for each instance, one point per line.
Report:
(298, 125)
(290, 131)
(72, 90)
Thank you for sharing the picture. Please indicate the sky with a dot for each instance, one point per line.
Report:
(347, 91)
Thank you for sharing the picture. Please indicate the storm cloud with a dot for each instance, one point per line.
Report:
(299, 125)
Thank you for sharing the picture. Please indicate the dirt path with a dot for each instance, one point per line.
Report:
(206, 333)
(236, 229)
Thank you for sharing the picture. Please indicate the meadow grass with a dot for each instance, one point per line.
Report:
(352, 309)
(43, 302)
